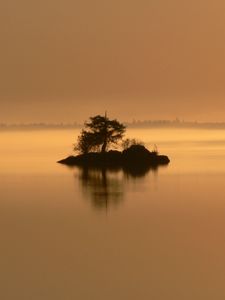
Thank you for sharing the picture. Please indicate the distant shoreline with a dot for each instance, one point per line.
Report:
(136, 124)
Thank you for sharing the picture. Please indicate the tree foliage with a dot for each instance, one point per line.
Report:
(99, 133)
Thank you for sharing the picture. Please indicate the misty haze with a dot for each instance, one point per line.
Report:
(135, 209)
(63, 61)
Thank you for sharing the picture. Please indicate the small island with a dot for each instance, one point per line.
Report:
(99, 135)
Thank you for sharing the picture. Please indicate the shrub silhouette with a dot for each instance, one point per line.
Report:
(99, 133)
(97, 137)
(127, 143)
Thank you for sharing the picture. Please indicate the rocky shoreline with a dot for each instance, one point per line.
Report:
(133, 157)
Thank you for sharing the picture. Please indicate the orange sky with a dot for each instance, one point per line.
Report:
(66, 60)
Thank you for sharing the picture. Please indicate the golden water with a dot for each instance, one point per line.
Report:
(68, 235)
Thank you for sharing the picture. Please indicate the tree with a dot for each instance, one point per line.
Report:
(86, 142)
(99, 133)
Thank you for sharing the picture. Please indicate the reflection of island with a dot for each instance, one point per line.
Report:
(105, 187)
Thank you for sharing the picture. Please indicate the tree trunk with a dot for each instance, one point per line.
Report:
(105, 135)
(104, 146)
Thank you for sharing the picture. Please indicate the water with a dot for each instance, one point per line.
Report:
(70, 234)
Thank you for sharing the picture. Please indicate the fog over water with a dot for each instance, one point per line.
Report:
(81, 233)
(70, 233)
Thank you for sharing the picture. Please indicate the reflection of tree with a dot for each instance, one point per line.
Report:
(104, 189)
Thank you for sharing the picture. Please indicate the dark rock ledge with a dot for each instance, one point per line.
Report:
(134, 157)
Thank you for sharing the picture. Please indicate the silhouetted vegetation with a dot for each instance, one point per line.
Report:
(126, 143)
(99, 134)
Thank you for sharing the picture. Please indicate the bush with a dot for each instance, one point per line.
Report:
(127, 143)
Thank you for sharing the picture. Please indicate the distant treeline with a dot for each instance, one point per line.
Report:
(134, 124)
(39, 126)
(175, 124)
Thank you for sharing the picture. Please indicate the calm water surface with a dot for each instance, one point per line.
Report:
(68, 233)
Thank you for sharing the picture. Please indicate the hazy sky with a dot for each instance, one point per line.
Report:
(145, 59)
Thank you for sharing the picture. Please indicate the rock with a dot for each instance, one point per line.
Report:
(136, 156)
